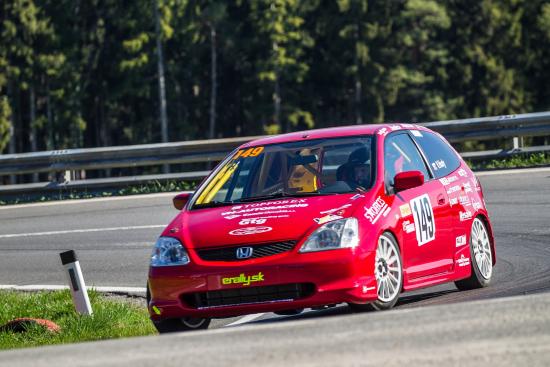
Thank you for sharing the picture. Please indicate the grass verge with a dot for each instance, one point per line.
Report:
(111, 319)
(517, 161)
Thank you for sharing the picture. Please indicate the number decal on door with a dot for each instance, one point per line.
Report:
(423, 219)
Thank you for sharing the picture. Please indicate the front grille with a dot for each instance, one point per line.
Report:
(249, 295)
(260, 250)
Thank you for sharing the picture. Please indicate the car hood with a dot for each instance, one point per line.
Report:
(258, 222)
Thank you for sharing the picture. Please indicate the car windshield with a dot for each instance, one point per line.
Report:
(309, 167)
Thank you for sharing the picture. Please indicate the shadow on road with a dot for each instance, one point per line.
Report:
(343, 309)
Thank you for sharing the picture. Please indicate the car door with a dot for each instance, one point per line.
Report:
(424, 211)
(445, 164)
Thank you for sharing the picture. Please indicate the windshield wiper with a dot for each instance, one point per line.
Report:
(213, 204)
(275, 195)
(280, 194)
(308, 193)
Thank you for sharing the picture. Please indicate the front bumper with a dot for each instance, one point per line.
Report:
(327, 277)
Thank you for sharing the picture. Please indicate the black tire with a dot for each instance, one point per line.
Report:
(289, 312)
(177, 325)
(477, 279)
(380, 304)
(182, 324)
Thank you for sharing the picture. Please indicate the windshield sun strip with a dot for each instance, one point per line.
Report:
(212, 187)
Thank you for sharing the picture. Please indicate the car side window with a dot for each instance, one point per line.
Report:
(400, 155)
(441, 157)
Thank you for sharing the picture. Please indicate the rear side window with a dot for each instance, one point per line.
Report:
(441, 157)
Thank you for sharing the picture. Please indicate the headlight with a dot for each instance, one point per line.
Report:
(340, 233)
(168, 251)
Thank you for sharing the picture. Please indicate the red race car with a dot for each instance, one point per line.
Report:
(310, 219)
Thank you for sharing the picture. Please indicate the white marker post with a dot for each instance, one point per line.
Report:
(76, 282)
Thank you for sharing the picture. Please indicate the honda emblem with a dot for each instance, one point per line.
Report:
(244, 252)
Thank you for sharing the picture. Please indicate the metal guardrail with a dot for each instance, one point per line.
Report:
(486, 128)
(119, 157)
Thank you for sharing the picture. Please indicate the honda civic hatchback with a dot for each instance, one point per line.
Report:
(351, 215)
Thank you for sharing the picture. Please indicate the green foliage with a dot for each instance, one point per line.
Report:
(5, 114)
(282, 65)
(111, 319)
(517, 161)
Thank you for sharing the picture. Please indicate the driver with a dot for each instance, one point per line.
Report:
(359, 177)
(356, 171)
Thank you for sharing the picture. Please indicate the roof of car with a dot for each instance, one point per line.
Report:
(332, 132)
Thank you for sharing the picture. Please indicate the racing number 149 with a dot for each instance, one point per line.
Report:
(423, 219)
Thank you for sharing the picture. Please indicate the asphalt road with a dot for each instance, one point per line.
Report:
(498, 332)
(31, 237)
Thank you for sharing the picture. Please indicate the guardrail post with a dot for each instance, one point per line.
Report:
(518, 142)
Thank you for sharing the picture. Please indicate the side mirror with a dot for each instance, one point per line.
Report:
(407, 180)
(180, 200)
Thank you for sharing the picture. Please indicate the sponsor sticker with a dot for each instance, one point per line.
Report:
(327, 218)
(395, 127)
(248, 221)
(464, 200)
(462, 173)
(249, 230)
(232, 216)
(269, 203)
(408, 227)
(453, 189)
(463, 261)
(448, 180)
(438, 164)
(408, 126)
(476, 184)
(334, 210)
(377, 208)
(423, 219)
(243, 279)
(477, 205)
(383, 131)
(405, 210)
(461, 240)
(453, 201)
(465, 215)
(416, 133)
(467, 187)
(270, 212)
(264, 207)
(366, 289)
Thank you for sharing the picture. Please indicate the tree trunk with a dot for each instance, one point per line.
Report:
(32, 130)
(277, 103)
(214, 82)
(50, 143)
(358, 90)
(357, 81)
(161, 82)
(13, 143)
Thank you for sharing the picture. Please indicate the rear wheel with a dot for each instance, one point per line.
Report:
(181, 324)
(481, 258)
(388, 271)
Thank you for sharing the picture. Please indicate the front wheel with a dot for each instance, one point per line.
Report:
(388, 272)
(481, 258)
(182, 324)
